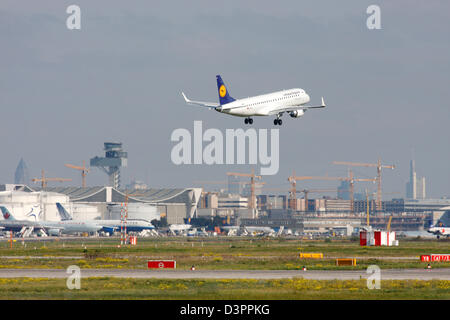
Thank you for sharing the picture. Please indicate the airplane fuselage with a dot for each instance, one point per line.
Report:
(70, 226)
(131, 225)
(267, 104)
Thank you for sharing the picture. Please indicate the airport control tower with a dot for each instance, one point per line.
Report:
(111, 163)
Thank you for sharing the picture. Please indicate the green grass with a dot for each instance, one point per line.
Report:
(215, 253)
(242, 289)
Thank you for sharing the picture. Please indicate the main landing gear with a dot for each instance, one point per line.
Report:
(248, 121)
(277, 121)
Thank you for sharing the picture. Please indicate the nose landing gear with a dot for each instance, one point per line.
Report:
(248, 121)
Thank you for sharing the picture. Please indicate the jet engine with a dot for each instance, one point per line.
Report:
(297, 113)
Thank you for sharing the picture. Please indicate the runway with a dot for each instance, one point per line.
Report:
(387, 274)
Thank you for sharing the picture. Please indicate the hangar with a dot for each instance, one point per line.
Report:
(107, 202)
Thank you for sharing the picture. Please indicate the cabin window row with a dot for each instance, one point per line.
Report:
(272, 100)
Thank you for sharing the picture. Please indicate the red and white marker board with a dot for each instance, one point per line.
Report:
(440, 257)
(161, 264)
(435, 257)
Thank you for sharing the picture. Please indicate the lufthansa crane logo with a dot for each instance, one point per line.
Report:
(222, 91)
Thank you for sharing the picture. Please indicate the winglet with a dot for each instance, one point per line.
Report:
(185, 98)
(323, 103)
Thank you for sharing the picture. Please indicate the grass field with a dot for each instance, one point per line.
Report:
(289, 289)
(216, 253)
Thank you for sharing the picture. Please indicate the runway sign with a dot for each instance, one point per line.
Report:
(161, 264)
(346, 262)
(311, 255)
(435, 257)
(440, 257)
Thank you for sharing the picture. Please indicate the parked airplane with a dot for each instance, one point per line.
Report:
(11, 224)
(439, 230)
(109, 226)
(50, 227)
(292, 101)
(179, 228)
(247, 230)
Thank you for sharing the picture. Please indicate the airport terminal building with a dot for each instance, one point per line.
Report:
(102, 202)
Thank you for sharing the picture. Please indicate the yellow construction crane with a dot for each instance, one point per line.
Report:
(388, 228)
(84, 172)
(368, 208)
(379, 167)
(252, 177)
(307, 191)
(292, 179)
(202, 183)
(44, 180)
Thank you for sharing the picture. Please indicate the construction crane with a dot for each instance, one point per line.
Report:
(44, 180)
(307, 191)
(388, 228)
(351, 181)
(379, 167)
(84, 172)
(252, 177)
(293, 179)
(202, 183)
(367, 209)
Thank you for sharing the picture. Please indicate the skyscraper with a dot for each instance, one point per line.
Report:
(415, 188)
(22, 175)
(343, 191)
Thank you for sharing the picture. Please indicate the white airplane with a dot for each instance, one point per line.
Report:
(179, 228)
(51, 227)
(109, 226)
(439, 230)
(244, 230)
(292, 101)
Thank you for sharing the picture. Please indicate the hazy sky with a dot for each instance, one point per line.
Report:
(65, 92)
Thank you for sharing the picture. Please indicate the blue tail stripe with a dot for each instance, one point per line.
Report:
(224, 96)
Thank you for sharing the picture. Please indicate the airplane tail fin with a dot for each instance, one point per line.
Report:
(63, 212)
(6, 214)
(224, 96)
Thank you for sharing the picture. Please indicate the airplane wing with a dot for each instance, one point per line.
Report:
(212, 105)
(323, 105)
(294, 108)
